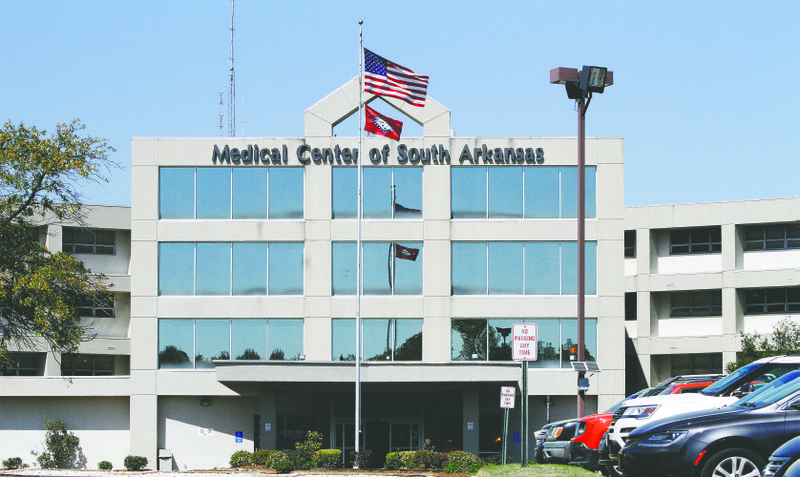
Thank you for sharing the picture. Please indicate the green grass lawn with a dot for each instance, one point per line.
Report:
(534, 470)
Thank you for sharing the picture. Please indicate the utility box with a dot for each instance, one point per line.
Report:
(164, 459)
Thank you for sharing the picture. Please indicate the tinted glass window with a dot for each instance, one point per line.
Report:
(176, 193)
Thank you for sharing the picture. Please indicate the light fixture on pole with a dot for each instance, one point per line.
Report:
(580, 86)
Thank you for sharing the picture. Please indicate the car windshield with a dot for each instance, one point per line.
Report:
(723, 383)
(773, 392)
(616, 406)
(753, 376)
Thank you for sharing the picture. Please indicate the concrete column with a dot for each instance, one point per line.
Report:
(52, 366)
(269, 417)
(144, 427)
(471, 422)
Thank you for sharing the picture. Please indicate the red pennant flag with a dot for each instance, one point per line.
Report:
(406, 253)
(382, 125)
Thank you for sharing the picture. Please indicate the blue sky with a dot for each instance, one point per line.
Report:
(703, 94)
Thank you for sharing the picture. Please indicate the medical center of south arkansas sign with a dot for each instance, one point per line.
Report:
(401, 154)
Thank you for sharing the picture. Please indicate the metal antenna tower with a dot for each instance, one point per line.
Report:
(221, 113)
(232, 88)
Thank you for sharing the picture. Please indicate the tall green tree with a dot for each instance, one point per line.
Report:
(41, 177)
(785, 339)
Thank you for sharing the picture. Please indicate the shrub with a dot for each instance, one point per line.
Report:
(266, 457)
(240, 458)
(12, 463)
(431, 459)
(460, 462)
(135, 462)
(105, 465)
(393, 461)
(261, 457)
(361, 458)
(281, 463)
(304, 454)
(61, 446)
(413, 460)
(329, 458)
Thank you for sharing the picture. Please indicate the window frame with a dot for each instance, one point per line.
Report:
(23, 363)
(206, 205)
(466, 281)
(102, 308)
(70, 241)
(178, 260)
(189, 327)
(698, 240)
(486, 343)
(771, 301)
(344, 204)
(344, 329)
(757, 237)
(560, 192)
(70, 364)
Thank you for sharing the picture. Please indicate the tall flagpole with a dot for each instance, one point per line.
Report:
(359, 272)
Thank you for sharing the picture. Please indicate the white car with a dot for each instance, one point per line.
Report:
(639, 411)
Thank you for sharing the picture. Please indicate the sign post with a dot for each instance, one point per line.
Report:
(524, 349)
(507, 395)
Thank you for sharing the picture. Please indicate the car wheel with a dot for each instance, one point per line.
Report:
(733, 463)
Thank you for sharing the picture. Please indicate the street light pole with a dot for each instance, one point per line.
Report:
(580, 85)
(581, 244)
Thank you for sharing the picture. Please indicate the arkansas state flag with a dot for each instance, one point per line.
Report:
(382, 125)
(406, 253)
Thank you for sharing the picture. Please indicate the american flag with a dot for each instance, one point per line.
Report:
(386, 78)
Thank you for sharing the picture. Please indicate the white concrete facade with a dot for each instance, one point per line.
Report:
(654, 275)
(436, 306)
(203, 415)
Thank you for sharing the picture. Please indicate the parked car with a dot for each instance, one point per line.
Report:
(583, 447)
(542, 434)
(784, 458)
(732, 441)
(637, 412)
(556, 445)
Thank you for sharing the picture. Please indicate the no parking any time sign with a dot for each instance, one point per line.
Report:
(524, 345)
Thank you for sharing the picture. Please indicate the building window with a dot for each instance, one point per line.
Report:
(696, 303)
(225, 193)
(630, 244)
(87, 365)
(389, 268)
(521, 268)
(224, 268)
(382, 339)
(519, 192)
(22, 364)
(98, 242)
(102, 307)
(491, 340)
(762, 301)
(771, 237)
(695, 241)
(631, 307)
(187, 343)
(703, 363)
(388, 192)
